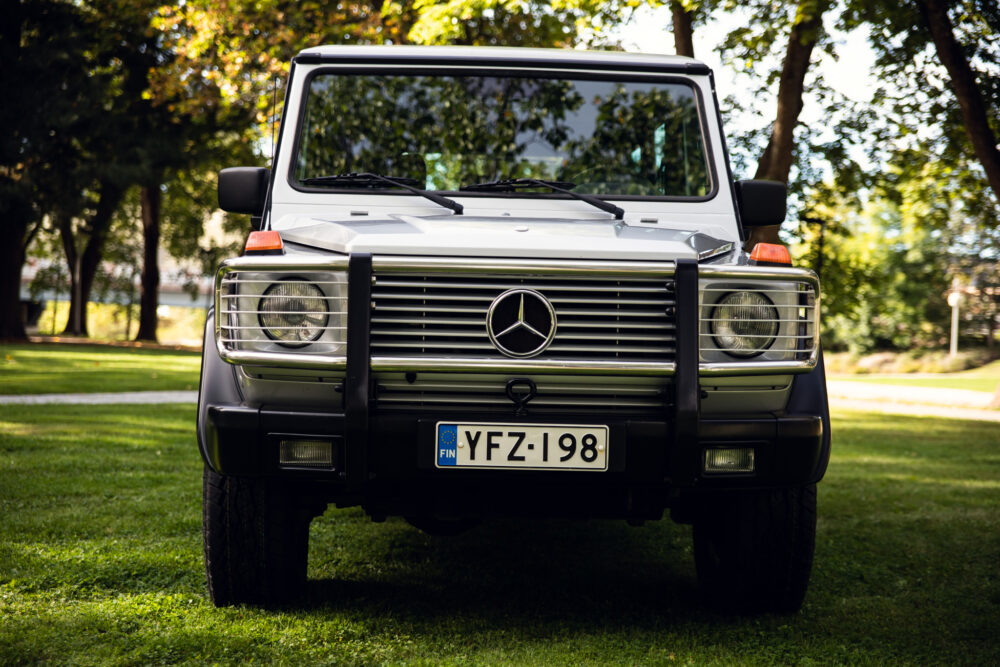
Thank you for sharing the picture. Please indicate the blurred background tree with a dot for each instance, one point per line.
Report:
(126, 110)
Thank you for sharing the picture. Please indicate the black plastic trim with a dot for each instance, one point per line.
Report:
(506, 63)
(808, 397)
(217, 386)
(357, 381)
(790, 448)
(277, 147)
(687, 399)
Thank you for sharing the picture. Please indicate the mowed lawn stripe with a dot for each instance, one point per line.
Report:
(100, 561)
(43, 368)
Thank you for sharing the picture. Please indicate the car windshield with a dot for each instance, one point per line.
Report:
(603, 137)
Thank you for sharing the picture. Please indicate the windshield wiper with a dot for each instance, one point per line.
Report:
(368, 179)
(511, 184)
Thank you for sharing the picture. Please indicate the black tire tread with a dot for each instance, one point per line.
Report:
(754, 551)
(256, 541)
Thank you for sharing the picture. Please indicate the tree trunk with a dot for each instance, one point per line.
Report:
(90, 259)
(148, 302)
(17, 210)
(776, 161)
(970, 100)
(683, 31)
(963, 81)
(11, 263)
(64, 223)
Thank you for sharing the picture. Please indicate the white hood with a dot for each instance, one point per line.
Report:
(472, 236)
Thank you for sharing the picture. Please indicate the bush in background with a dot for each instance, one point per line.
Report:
(911, 361)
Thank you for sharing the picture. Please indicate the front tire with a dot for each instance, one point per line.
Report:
(256, 540)
(754, 551)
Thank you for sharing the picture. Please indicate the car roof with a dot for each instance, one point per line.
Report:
(500, 56)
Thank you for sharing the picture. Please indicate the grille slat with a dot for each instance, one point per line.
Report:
(563, 323)
(432, 345)
(598, 389)
(493, 285)
(598, 318)
(428, 391)
(382, 307)
(596, 349)
(488, 298)
(503, 401)
(464, 333)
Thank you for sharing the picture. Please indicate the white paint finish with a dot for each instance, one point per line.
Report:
(468, 55)
(467, 236)
(715, 217)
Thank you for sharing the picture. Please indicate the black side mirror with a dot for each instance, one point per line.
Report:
(242, 189)
(761, 203)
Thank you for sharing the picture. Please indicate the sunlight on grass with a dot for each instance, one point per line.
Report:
(39, 368)
(18, 429)
(977, 484)
(100, 562)
(984, 379)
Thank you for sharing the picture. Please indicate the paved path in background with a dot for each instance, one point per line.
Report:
(133, 397)
(844, 395)
(915, 409)
(907, 400)
(897, 393)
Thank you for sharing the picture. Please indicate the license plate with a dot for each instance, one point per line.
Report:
(523, 446)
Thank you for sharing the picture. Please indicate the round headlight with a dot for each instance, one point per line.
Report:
(744, 324)
(293, 312)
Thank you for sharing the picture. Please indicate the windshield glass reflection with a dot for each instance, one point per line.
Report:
(604, 137)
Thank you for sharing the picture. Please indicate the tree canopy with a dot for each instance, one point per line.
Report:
(118, 106)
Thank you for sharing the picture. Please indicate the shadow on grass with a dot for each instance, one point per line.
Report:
(519, 573)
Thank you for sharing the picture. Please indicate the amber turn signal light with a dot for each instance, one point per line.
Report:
(770, 253)
(264, 243)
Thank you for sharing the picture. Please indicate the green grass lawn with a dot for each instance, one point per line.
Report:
(100, 562)
(42, 368)
(985, 378)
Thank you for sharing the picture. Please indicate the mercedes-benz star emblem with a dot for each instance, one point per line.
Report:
(521, 323)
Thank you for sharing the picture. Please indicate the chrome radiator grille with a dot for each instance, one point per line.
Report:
(599, 318)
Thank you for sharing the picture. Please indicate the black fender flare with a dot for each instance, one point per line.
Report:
(218, 386)
(808, 397)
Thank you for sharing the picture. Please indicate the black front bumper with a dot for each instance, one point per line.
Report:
(647, 467)
(383, 460)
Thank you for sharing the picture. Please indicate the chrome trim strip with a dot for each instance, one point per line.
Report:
(282, 263)
(495, 388)
(319, 362)
(571, 367)
(715, 252)
(760, 273)
(752, 368)
(415, 401)
(282, 359)
(505, 285)
(495, 265)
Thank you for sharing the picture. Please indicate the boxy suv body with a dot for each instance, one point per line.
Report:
(509, 282)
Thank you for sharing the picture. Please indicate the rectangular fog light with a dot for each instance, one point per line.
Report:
(311, 453)
(729, 459)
